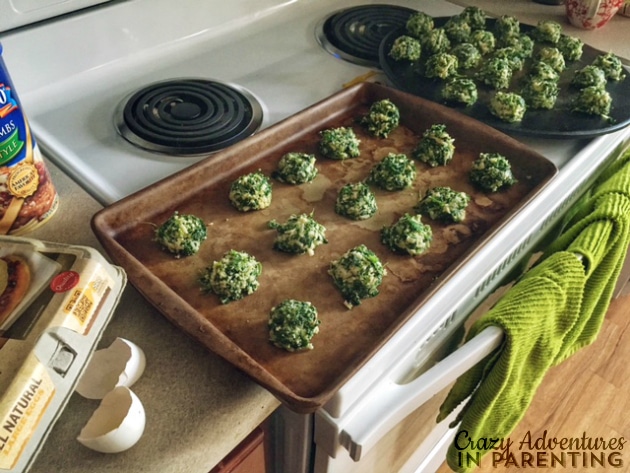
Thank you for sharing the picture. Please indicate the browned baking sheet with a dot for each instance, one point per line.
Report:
(238, 331)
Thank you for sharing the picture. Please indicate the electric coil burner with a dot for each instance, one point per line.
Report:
(186, 117)
(355, 34)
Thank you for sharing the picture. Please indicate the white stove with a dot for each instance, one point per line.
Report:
(74, 72)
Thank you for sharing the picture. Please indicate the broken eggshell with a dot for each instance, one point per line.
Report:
(117, 424)
(120, 364)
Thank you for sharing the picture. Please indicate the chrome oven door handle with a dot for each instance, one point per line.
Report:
(390, 403)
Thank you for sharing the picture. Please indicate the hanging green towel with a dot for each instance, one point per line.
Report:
(600, 231)
(534, 314)
(553, 311)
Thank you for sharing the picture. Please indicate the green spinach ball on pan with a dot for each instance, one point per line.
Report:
(495, 73)
(435, 41)
(484, 41)
(419, 23)
(436, 147)
(542, 70)
(592, 101)
(571, 47)
(408, 235)
(508, 106)
(457, 29)
(293, 324)
(339, 143)
(382, 118)
(548, 31)
(588, 76)
(467, 54)
(441, 66)
(357, 274)
(475, 17)
(181, 234)
(251, 192)
(296, 168)
(394, 172)
(492, 172)
(356, 201)
(232, 277)
(443, 204)
(460, 90)
(505, 27)
(406, 48)
(522, 43)
(553, 57)
(611, 65)
(512, 56)
(540, 93)
(299, 234)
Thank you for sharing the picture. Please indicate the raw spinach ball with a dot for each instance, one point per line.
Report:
(460, 90)
(611, 65)
(592, 101)
(570, 47)
(589, 76)
(356, 201)
(394, 172)
(382, 118)
(443, 204)
(508, 106)
(296, 168)
(181, 234)
(292, 325)
(419, 23)
(441, 66)
(299, 234)
(232, 277)
(251, 192)
(436, 147)
(408, 235)
(358, 274)
(491, 172)
(496, 73)
(406, 48)
(339, 143)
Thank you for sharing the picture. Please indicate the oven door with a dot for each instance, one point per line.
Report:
(393, 427)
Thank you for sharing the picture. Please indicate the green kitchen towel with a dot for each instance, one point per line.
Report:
(555, 309)
(602, 236)
(535, 315)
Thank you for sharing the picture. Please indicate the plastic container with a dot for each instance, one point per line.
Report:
(28, 197)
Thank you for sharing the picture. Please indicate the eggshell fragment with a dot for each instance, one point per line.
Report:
(117, 424)
(121, 364)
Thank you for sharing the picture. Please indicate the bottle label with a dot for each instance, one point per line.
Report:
(12, 126)
(27, 195)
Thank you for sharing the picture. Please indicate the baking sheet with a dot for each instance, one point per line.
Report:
(557, 123)
(238, 331)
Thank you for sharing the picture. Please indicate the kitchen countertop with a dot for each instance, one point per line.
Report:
(198, 406)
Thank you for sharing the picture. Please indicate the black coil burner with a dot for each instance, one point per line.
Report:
(355, 34)
(186, 117)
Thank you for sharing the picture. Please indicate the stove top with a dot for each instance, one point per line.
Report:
(188, 116)
(355, 33)
(72, 88)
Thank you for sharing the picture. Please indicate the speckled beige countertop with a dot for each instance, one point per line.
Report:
(198, 407)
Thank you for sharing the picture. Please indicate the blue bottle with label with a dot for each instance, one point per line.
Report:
(27, 195)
